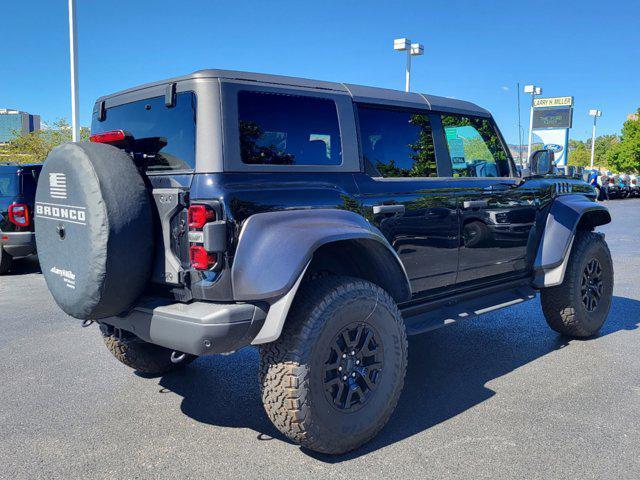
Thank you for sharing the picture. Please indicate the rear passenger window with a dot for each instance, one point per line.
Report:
(278, 129)
(474, 147)
(396, 143)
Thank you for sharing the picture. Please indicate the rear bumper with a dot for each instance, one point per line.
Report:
(199, 328)
(18, 244)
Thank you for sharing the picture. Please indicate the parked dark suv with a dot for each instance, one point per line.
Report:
(17, 194)
(322, 222)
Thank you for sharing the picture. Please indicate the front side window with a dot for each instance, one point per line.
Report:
(396, 143)
(278, 129)
(164, 138)
(474, 147)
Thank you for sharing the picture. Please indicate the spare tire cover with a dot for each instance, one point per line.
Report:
(94, 229)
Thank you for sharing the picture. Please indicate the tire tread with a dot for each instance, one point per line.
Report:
(284, 376)
(559, 302)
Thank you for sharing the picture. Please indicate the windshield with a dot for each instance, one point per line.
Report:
(164, 138)
(9, 185)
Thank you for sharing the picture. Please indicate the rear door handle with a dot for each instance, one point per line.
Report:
(474, 204)
(378, 209)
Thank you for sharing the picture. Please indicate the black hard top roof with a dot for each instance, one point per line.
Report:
(359, 93)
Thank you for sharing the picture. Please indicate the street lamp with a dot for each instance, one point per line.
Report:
(73, 64)
(533, 90)
(412, 49)
(595, 114)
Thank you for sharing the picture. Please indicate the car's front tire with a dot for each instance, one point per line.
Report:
(333, 378)
(579, 306)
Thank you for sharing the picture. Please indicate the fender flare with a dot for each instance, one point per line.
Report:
(565, 214)
(275, 249)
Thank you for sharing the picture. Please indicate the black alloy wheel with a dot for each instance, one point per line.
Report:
(354, 366)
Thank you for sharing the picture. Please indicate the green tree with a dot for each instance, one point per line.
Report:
(604, 143)
(251, 134)
(579, 153)
(424, 156)
(624, 156)
(35, 146)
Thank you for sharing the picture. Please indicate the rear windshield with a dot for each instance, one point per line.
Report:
(166, 137)
(9, 184)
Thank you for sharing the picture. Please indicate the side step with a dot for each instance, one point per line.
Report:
(430, 316)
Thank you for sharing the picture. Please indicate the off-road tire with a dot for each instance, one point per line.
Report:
(5, 261)
(292, 369)
(563, 305)
(475, 234)
(142, 356)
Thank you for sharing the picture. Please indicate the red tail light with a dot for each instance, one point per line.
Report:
(200, 258)
(109, 137)
(19, 214)
(199, 215)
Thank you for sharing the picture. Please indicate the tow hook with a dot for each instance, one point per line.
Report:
(177, 357)
(87, 323)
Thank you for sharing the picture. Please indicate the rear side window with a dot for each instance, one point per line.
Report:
(396, 143)
(164, 138)
(278, 129)
(9, 185)
(474, 147)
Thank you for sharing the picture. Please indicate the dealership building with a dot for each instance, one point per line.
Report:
(15, 122)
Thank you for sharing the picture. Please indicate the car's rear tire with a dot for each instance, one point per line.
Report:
(338, 327)
(5, 261)
(142, 356)
(579, 306)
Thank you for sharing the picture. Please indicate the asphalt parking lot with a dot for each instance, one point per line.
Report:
(501, 396)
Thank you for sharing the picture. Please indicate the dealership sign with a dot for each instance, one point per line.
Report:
(553, 102)
(551, 120)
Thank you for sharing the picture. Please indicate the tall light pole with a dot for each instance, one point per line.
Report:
(413, 50)
(533, 90)
(519, 127)
(595, 114)
(73, 60)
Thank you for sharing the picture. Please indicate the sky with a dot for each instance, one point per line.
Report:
(475, 51)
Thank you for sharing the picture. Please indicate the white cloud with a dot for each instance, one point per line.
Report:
(505, 88)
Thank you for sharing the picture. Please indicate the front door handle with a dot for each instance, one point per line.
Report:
(378, 209)
(437, 212)
(474, 204)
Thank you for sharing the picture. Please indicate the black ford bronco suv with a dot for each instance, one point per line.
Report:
(17, 194)
(322, 222)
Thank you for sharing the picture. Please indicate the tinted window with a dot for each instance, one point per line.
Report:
(474, 147)
(396, 143)
(9, 185)
(164, 138)
(278, 129)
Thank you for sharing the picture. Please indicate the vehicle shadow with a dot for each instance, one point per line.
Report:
(25, 266)
(447, 374)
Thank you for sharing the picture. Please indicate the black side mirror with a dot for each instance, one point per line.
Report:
(541, 162)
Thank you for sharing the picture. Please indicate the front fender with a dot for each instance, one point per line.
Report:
(274, 248)
(567, 212)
